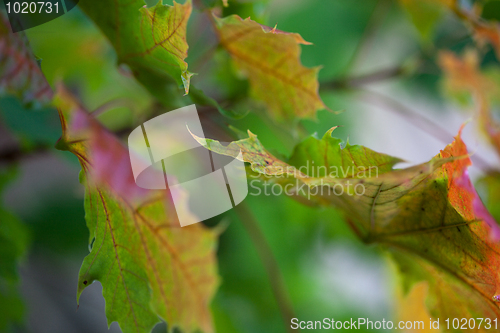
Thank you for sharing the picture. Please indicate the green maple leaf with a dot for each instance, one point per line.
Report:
(148, 265)
(151, 41)
(428, 216)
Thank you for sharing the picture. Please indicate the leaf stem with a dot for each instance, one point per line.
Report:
(270, 264)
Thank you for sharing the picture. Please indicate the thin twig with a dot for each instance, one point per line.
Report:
(269, 262)
(361, 80)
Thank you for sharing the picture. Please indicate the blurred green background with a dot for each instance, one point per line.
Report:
(327, 270)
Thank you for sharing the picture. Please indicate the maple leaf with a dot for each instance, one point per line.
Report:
(13, 245)
(149, 40)
(20, 73)
(463, 74)
(14, 240)
(428, 216)
(148, 265)
(270, 58)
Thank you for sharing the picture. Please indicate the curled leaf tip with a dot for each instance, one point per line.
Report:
(251, 135)
(186, 79)
(330, 131)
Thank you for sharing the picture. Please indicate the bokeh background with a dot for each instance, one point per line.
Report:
(327, 270)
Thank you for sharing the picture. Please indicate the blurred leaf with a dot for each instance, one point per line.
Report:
(428, 214)
(20, 73)
(41, 126)
(75, 50)
(149, 40)
(226, 79)
(463, 75)
(149, 267)
(14, 241)
(484, 32)
(270, 59)
(13, 245)
(12, 306)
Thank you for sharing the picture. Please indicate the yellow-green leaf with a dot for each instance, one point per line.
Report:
(270, 58)
(152, 41)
